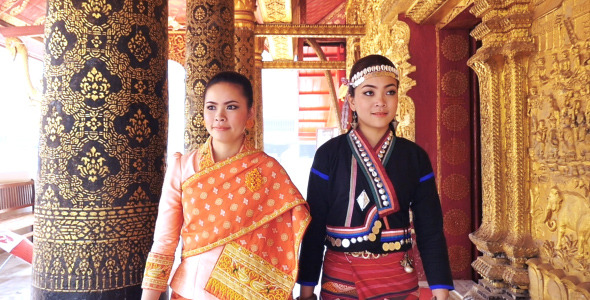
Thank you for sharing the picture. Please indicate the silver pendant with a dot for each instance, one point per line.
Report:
(407, 263)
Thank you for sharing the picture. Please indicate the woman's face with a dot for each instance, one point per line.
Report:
(375, 102)
(226, 112)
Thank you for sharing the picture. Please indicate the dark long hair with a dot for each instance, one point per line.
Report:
(234, 78)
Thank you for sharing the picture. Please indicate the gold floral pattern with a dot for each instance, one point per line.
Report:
(54, 128)
(93, 165)
(138, 127)
(94, 86)
(57, 44)
(97, 8)
(97, 182)
(139, 46)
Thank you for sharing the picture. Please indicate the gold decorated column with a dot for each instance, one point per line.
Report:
(487, 64)
(245, 61)
(258, 48)
(101, 149)
(209, 50)
(519, 245)
(501, 64)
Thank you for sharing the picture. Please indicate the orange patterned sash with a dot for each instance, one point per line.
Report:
(249, 204)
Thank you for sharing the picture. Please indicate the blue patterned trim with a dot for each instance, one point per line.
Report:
(442, 286)
(426, 177)
(322, 175)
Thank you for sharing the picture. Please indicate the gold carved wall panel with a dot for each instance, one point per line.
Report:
(559, 124)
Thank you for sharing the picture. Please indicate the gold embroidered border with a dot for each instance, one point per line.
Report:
(245, 230)
(157, 271)
(218, 166)
(240, 274)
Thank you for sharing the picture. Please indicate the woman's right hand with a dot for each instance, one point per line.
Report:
(150, 295)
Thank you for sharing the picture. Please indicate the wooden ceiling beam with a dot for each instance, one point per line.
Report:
(19, 31)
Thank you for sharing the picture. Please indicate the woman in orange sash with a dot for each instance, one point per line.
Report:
(239, 216)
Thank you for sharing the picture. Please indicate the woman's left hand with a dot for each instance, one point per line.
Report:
(440, 294)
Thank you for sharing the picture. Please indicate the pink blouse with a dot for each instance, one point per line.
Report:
(191, 275)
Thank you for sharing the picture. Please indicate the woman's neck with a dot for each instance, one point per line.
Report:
(373, 135)
(222, 151)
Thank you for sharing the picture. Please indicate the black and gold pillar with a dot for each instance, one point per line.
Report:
(209, 50)
(245, 60)
(102, 145)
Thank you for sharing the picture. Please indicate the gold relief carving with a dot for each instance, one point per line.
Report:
(454, 83)
(406, 117)
(491, 268)
(94, 86)
(449, 16)
(518, 244)
(558, 108)
(565, 218)
(547, 282)
(488, 237)
(517, 277)
(422, 9)
(455, 187)
(455, 117)
(310, 31)
(455, 47)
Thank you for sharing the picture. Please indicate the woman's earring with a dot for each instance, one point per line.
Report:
(249, 124)
(394, 123)
(355, 121)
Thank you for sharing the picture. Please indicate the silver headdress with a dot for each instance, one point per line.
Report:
(372, 71)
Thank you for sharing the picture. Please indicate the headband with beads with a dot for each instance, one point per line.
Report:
(372, 71)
